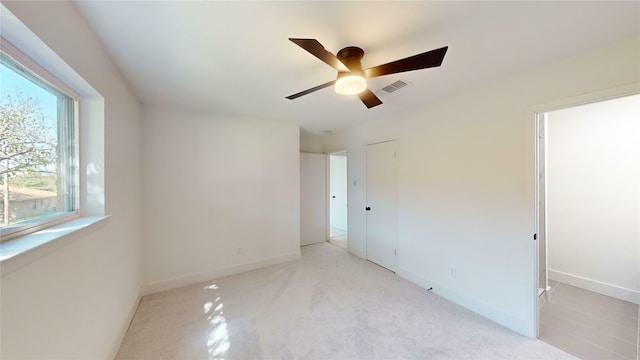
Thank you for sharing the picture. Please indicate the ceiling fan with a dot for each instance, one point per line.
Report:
(351, 78)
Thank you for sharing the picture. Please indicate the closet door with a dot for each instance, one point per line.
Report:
(382, 205)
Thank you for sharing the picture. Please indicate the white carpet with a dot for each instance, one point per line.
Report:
(329, 305)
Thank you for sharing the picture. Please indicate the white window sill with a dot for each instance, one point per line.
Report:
(24, 250)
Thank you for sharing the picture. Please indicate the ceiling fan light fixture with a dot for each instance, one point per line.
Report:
(350, 84)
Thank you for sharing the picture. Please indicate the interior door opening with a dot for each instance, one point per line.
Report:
(338, 216)
(588, 228)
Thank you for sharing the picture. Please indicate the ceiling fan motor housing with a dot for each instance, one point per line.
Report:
(350, 57)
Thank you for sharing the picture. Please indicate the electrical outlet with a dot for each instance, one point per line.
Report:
(452, 271)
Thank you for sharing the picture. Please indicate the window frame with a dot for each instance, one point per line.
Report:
(39, 73)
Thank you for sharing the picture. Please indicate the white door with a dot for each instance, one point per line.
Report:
(338, 192)
(313, 203)
(382, 205)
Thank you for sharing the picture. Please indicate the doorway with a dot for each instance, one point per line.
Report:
(382, 204)
(338, 216)
(588, 209)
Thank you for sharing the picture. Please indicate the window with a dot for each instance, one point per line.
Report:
(38, 149)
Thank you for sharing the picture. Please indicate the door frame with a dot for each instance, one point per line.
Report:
(541, 184)
(533, 115)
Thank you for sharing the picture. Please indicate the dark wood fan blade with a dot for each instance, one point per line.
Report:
(369, 99)
(316, 49)
(309, 91)
(425, 60)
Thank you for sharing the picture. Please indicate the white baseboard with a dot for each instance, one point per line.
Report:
(185, 280)
(124, 328)
(614, 291)
(500, 317)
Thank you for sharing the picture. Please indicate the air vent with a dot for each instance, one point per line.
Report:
(395, 86)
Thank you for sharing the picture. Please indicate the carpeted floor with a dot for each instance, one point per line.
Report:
(328, 305)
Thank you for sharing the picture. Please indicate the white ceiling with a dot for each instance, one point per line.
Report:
(235, 57)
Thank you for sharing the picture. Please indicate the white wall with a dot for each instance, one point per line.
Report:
(466, 175)
(310, 143)
(214, 185)
(313, 198)
(593, 197)
(77, 301)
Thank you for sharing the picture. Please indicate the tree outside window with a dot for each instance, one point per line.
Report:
(37, 147)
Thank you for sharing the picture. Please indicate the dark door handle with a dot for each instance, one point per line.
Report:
(368, 208)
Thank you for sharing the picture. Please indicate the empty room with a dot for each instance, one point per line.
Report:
(319, 180)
